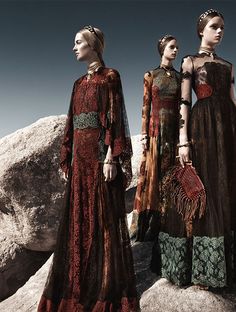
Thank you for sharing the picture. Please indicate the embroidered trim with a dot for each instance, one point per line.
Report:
(209, 266)
(86, 120)
(174, 258)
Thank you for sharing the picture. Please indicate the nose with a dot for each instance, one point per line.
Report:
(74, 48)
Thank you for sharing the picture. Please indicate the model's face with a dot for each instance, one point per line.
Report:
(81, 48)
(171, 50)
(213, 31)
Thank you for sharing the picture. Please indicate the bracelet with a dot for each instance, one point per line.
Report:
(109, 162)
(188, 143)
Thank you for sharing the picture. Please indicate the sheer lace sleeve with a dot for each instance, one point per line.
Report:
(147, 98)
(232, 90)
(67, 141)
(186, 96)
(117, 132)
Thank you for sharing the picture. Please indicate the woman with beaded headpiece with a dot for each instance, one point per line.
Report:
(159, 138)
(208, 138)
(92, 268)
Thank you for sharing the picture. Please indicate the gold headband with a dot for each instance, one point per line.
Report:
(163, 39)
(91, 29)
(204, 15)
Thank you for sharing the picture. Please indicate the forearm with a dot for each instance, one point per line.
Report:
(109, 153)
(183, 124)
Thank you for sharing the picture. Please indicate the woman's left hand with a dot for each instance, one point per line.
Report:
(109, 171)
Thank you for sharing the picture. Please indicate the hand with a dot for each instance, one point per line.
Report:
(109, 171)
(184, 155)
(144, 141)
(66, 174)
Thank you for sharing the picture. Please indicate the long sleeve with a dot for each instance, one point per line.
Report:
(67, 141)
(117, 129)
(232, 92)
(147, 99)
(186, 97)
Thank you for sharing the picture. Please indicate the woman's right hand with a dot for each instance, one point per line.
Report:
(144, 141)
(66, 174)
(184, 155)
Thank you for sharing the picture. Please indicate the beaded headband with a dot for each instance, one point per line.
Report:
(204, 15)
(91, 29)
(163, 39)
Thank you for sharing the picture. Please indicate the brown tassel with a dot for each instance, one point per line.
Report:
(183, 188)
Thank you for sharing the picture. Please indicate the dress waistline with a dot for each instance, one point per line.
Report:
(86, 120)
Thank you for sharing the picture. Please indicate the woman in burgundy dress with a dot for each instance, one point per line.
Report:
(92, 267)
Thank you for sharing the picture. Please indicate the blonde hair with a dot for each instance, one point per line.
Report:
(95, 39)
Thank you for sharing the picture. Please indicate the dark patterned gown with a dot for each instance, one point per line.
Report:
(209, 256)
(160, 116)
(92, 269)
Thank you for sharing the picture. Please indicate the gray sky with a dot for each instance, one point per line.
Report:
(38, 67)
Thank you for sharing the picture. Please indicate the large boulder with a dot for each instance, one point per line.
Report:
(31, 187)
(31, 192)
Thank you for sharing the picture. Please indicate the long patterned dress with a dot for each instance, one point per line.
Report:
(92, 268)
(160, 122)
(209, 256)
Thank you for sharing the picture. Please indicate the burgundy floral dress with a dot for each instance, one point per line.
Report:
(92, 268)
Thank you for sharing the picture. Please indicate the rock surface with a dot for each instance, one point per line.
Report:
(30, 185)
(157, 295)
(31, 191)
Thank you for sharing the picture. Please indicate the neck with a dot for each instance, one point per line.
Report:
(93, 60)
(207, 46)
(165, 62)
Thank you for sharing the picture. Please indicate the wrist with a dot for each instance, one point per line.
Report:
(185, 144)
(109, 161)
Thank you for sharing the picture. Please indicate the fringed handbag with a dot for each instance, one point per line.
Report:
(183, 188)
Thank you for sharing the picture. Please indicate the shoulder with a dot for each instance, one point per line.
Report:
(176, 72)
(112, 74)
(148, 75)
(78, 81)
(187, 62)
(188, 58)
(225, 61)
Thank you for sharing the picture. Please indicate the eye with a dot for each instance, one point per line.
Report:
(214, 26)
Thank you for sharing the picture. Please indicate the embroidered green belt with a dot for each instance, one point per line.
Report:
(86, 120)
